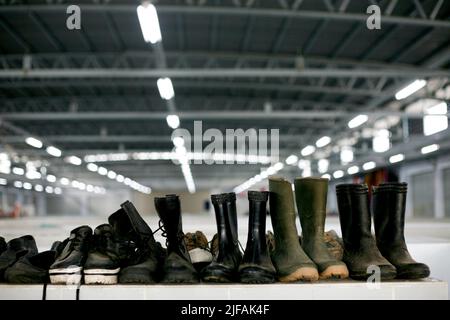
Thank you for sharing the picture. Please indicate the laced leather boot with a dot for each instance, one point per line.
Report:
(389, 202)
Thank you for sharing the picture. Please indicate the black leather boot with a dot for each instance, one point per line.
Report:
(256, 265)
(360, 249)
(140, 257)
(178, 267)
(225, 264)
(15, 249)
(389, 202)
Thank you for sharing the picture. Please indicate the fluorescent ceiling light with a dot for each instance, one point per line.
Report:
(51, 178)
(346, 155)
(322, 142)
(3, 182)
(90, 188)
(112, 175)
(307, 172)
(278, 166)
(32, 175)
(323, 165)
(34, 142)
(410, 89)
(308, 150)
(120, 178)
(292, 160)
(381, 142)
(165, 88)
(353, 170)
(57, 190)
(326, 176)
(397, 158)
(74, 160)
(18, 171)
(338, 174)
(27, 186)
(357, 121)
(49, 189)
(148, 19)
(429, 149)
(82, 186)
(53, 151)
(178, 142)
(18, 184)
(38, 188)
(436, 119)
(102, 171)
(64, 181)
(369, 165)
(173, 121)
(92, 167)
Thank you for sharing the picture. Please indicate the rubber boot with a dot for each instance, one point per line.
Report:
(288, 257)
(225, 264)
(178, 267)
(361, 253)
(311, 198)
(256, 265)
(389, 202)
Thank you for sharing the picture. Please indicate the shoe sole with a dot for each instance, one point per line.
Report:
(180, 277)
(334, 272)
(301, 274)
(253, 276)
(101, 276)
(69, 276)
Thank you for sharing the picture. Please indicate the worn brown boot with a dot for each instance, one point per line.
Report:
(311, 197)
(288, 257)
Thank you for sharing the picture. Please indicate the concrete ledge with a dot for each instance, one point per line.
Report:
(21, 292)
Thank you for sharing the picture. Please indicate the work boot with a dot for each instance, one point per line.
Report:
(225, 264)
(288, 257)
(198, 248)
(178, 266)
(311, 198)
(361, 253)
(15, 249)
(389, 202)
(140, 256)
(256, 265)
(2, 245)
(69, 264)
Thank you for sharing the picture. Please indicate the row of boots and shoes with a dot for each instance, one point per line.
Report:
(125, 250)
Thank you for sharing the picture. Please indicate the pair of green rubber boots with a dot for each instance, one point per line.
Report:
(312, 260)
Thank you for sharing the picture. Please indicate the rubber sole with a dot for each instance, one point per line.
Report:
(218, 275)
(301, 274)
(334, 272)
(101, 276)
(69, 276)
(256, 276)
(180, 277)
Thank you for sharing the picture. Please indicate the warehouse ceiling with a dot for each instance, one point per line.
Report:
(303, 67)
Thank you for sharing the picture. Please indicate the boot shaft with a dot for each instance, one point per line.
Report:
(389, 202)
(311, 198)
(226, 219)
(256, 239)
(354, 213)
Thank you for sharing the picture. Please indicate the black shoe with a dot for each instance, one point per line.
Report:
(69, 264)
(178, 266)
(389, 203)
(224, 267)
(103, 262)
(256, 265)
(2, 245)
(33, 269)
(15, 249)
(139, 254)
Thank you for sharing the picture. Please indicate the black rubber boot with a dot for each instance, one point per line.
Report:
(288, 257)
(15, 249)
(140, 256)
(178, 267)
(361, 253)
(311, 197)
(256, 265)
(389, 202)
(225, 264)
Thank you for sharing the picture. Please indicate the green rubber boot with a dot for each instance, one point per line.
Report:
(311, 198)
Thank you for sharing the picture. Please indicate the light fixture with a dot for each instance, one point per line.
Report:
(436, 119)
(430, 148)
(74, 160)
(92, 167)
(33, 175)
(396, 158)
(34, 142)
(338, 174)
(49, 189)
(38, 188)
(381, 142)
(120, 178)
(148, 20)
(90, 188)
(3, 182)
(292, 160)
(322, 142)
(112, 175)
(27, 186)
(173, 121)
(178, 142)
(357, 121)
(64, 181)
(18, 184)
(18, 171)
(369, 165)
(326, 176)
(308, 150)
(165, 88)
(410, 89)
(51, 178)
(102, 171)
(53, 151)
(57, 190)
(278, 166)
(353, 170)
(82, 186)
(346, 155)
(322, 165)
